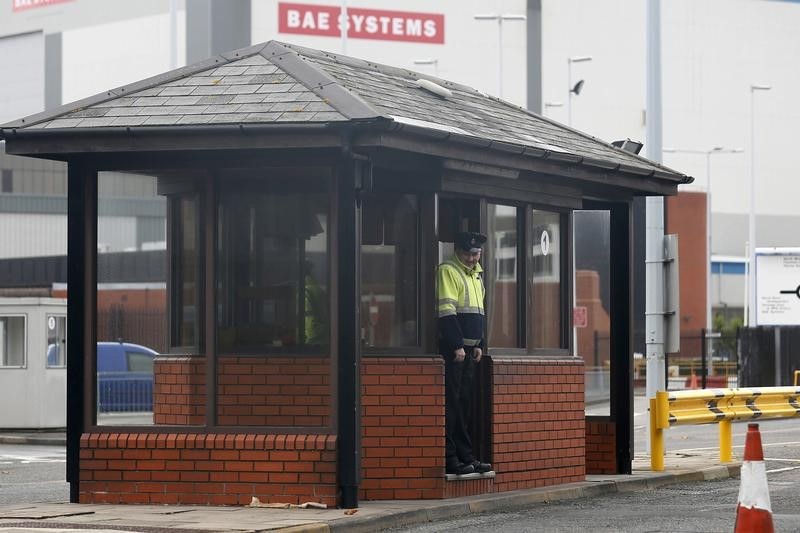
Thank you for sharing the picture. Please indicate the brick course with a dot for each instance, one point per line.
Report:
(538, 422)
(207, 469)
(537, 437)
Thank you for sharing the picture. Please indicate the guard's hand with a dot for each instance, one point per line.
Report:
(477, 353)
(459, 354)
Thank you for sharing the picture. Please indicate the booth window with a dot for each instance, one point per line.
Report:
(272, 267)
(56, 341)
(502, 262)
(546, 317)
(390, 271)
(184, 290)
(12, 341)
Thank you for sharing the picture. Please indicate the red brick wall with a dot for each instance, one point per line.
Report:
(195, 469)
(539, 422)
(402, 431)
(179, 389)
(538, 427)
(252, 391)
(274, 391)
(601, 448)
(686, 216)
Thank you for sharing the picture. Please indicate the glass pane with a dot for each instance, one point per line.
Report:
(455, 215)
(273, 272)
(274, 365)
(502, 252)
(56, 341)
(546, 319)
(131, 294)
(389, 271)
(592, 306)
(12, 341)
(185, 272)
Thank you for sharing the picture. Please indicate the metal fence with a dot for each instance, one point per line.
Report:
(706, 360)
(124, 392)
(145, 327)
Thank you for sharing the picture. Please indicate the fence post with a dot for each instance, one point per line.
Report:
(725, 441)
(656, 439)
(703, 357)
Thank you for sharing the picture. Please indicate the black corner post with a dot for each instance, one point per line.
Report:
(622, 332)
(81, 223)
(351, 174)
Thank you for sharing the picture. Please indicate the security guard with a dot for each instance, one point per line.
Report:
(460, 295)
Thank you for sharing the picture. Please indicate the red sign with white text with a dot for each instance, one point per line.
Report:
(21, 5)
(312, 19)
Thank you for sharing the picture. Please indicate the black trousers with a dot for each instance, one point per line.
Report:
(459, 386)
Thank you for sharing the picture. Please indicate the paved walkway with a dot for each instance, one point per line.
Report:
(370, 516)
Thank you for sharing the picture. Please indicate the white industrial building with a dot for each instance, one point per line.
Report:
(713, 52)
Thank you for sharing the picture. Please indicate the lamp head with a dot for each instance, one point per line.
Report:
(577, 88)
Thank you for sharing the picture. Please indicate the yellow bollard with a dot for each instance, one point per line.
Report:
(725, 441)
(656, 441)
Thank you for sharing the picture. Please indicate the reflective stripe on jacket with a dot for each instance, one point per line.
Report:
(460, 294)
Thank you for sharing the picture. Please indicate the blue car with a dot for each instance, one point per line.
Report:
(124, 377)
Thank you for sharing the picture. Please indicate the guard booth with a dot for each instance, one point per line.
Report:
(304, 200)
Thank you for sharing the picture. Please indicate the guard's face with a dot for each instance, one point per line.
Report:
(470, 259)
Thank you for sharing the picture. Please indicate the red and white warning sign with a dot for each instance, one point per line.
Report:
(379, 24)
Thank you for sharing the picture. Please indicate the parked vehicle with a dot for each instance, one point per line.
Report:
(124, 377)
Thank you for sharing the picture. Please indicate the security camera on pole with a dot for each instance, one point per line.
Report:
(573, 89)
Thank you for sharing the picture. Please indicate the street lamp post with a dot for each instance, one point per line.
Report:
(429, 61)
(750, 315)
(577, 88)
(707, 154)
(499, 19)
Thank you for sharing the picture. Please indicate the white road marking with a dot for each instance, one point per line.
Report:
(787, 469)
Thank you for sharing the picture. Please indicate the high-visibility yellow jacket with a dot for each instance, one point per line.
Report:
(316, 308)
(460, 294)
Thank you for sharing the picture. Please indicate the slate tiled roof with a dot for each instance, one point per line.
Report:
(243, 91)
(280, 83)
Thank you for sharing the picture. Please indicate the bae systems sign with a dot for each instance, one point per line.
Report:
(311, 19)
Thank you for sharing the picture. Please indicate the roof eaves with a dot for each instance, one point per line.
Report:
(674, 175)
(319, 82)
(563, 157)
(640, 171)
(600, 163)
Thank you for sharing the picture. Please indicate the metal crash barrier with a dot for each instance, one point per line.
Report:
(720, 406)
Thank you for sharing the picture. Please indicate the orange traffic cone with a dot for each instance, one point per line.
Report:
(693, 384)
(753, 513)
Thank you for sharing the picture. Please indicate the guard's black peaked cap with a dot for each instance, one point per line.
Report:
(469, 241)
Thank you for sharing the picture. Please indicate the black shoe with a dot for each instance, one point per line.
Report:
(481, 468)
(460, 469)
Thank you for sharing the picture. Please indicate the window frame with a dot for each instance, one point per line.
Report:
(521, 278)
(422, 317)
(24, 364)
(233, 179)
(56, 316)
(525, 302)
(175, 259)
(564, 281)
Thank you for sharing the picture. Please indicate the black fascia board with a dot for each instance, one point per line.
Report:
(36, 142)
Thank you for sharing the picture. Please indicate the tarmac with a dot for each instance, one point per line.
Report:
(370, 515)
